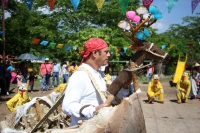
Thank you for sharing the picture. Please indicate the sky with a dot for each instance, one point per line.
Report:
(181, 9)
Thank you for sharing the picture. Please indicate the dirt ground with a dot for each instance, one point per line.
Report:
(169, 117)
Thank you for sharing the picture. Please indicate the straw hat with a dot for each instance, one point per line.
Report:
(196, 64)
(47, 59)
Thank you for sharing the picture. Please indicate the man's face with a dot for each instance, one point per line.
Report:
(155, 81)
(102, 57)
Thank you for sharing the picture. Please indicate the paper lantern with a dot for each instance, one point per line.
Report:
(52, 45)
(44, 43)
(36, 41)
(60, 46)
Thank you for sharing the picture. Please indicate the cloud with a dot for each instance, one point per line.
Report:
(160, 26)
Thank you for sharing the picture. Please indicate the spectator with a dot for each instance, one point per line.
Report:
(45, 70)
(72, 68)
(2, 79)
(65, 72)
(9, 69)
(155, 89)
(150, 72)
(55, 73)
(31, 78)
(24, 70)
(183, 88)
(19, 79)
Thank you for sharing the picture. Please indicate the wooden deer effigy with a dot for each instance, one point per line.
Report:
(144, 50)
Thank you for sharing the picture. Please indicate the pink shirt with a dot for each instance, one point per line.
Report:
(43, 68)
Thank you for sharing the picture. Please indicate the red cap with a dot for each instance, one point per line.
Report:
(91, 45)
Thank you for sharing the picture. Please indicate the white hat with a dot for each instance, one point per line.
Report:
(155, 76)
(196, 64)
(47, 59)
(184, 74)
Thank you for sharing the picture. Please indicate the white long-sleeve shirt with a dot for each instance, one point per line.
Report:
(79, 92)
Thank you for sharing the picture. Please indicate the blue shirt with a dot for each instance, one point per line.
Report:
(56, 68)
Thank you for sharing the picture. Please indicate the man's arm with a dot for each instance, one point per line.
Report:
(178, 86)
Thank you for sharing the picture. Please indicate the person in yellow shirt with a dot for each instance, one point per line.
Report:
(155, 89)
(183, 88)
(73, 68)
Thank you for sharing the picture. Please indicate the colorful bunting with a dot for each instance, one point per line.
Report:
(147, 3)
(5, 2)
(121, 53)
(44, 43)
(99, 4)
(80, 49)
(52, 45)
(170, 4)
(125, 48)
(1, 32)
(163, 46)
(60, 46)
(123, 5)
(191, 44)
(74, 47)
(51, 3)
(75, 4)
(29, 3)
(36, 41)
(194, 4)
(67, 47)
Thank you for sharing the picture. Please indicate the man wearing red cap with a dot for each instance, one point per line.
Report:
(155, 89)
(81, 97)
(183, 88)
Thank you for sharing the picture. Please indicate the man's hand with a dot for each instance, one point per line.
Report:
(101, 106)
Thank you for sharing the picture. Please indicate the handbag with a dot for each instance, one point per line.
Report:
(48, 74)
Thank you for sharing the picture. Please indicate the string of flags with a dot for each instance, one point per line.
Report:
(99, 3)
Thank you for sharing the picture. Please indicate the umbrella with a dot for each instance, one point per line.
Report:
(27, 56)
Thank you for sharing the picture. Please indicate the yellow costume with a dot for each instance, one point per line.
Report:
(155, 89)
(19, 99)
(183, 88)
(72, 69)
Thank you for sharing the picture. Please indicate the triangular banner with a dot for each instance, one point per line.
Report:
(44, 43)
(51, 3)
(170, 4)
(163, 46)
(194, 4)
(123, 5)
(52, 45)
(35, 41)
(29, 3)
(67, 47)
(5, 2)
(147, 3)
(75, 4)
(60, 46)
(99, 4)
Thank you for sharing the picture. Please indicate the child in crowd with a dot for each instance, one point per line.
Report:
(19, 79)
(31, 79)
